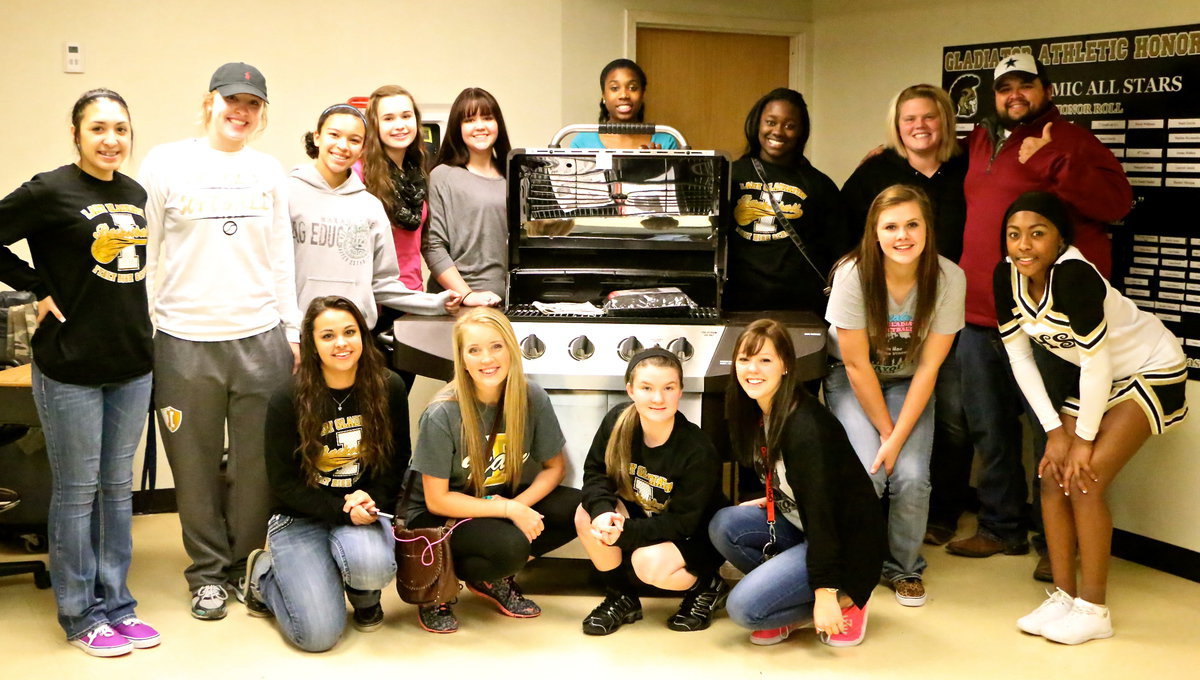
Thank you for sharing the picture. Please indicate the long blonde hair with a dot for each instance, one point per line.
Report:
(618, 452)
(870, 261)
(516, 401)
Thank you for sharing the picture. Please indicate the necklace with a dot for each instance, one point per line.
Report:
(341, 403)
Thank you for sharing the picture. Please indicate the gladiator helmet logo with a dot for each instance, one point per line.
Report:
(964, 95)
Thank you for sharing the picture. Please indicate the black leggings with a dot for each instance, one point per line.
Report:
(491, 548)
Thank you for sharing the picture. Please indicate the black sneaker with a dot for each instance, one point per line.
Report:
(699, 604)
(507, 597)
(254, 603)
(366, 619)
(616, 610)
(437, 618)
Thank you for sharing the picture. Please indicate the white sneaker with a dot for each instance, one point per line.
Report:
(1086, 621)
(1055, 607)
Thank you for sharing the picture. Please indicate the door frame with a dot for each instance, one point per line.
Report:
(799, 34)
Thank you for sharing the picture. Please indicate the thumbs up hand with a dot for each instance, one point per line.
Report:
(1031, 144)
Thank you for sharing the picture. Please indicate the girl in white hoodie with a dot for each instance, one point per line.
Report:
(341, 232)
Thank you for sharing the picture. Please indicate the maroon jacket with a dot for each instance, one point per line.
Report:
(1074, 166)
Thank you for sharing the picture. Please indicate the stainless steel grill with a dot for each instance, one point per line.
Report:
(584, 223)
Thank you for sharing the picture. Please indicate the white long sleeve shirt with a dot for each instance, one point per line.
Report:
(219, 248)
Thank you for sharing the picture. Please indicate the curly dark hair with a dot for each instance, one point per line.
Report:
(314, 405)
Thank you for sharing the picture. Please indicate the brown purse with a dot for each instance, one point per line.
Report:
(424, 566)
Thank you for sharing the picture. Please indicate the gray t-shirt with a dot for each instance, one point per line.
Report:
(468, 228)
(847, 310)
(439, 451)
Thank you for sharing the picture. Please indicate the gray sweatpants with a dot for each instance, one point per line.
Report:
(199, 387)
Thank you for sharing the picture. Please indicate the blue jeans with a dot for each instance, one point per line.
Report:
(312, 563)
(92, 433)
(950, 463)
(993, 406)
(908, 485)
(774, 593)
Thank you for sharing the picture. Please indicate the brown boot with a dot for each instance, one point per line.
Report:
(1042, 571)
(982, 545)
(938, 535)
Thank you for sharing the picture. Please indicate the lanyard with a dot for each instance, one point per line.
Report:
(770, 549)
(770, 489)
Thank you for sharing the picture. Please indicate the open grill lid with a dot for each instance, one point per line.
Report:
(586, 222)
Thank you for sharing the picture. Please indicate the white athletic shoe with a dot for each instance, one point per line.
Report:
(1055, 607)
(1086, 621)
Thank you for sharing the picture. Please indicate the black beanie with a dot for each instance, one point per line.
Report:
(1045, 204)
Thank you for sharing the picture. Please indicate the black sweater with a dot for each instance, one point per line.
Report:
(764, 269)
(87, 237)
(945, 191)
(843, 521)
(290, 491)
(677, 484)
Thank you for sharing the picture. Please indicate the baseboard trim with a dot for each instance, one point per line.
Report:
(1156, 554)
(154, 501)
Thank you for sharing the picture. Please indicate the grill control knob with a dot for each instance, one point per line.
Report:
(682, 348)
(628, 347)
(581, 348)
(532, 347)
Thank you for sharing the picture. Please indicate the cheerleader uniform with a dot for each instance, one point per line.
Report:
(1122, 351)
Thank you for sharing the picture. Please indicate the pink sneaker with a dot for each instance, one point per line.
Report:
(770, 636)
(103, 641)
(856, 627)
(138, 632)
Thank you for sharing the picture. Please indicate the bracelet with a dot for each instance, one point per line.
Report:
(506, 502)
(468, 294)
(831, 591)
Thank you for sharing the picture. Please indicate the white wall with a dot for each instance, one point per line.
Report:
(867, 50)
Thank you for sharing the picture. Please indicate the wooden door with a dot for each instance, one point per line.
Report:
(703, 82)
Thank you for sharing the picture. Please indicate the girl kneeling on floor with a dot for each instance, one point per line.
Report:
(336, 443)
(821, 562)
(466, 436)
(893, 312)
(1132, 383)
(651, 483)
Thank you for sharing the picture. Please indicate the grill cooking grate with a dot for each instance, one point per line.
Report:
(699, 314)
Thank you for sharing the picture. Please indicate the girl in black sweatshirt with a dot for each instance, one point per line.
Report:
(85, 224)
(336, 446)
(651, 482)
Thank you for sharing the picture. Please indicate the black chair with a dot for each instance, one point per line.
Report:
(41, 577)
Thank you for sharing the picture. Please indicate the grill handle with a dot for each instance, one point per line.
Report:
(618, 129)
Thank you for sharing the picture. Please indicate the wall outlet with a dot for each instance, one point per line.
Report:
(72, 58)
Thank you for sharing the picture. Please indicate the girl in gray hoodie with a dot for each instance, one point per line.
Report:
(342, 235)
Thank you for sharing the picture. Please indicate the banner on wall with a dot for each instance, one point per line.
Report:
(1139, 93)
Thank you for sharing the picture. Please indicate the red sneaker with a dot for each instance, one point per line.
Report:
(855, 620)
(770, 636)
